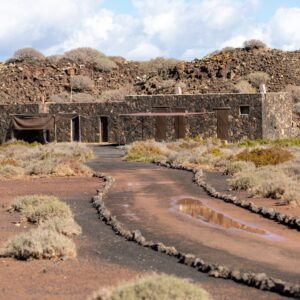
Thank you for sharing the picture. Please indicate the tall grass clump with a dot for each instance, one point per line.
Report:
(20, 159)
(39, 208)
(50, 239)
(39, 244)
(146, 151)
(155, 287)
(66, 226)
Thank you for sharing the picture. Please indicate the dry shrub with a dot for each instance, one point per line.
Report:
(28, 54)
(244, 87)
(54, 59)
(155, 287)
(258, 78)
(235, 167)
(82, 98)
(39, 244)
(81, 83)
(39, 208)
(70, 168)
(294, 90)
(9, 171)
(65, 226)
(254, 44)
(63, 159)
(104, 64)
(60, 98)
(167, 84)
(296, 109)
(84, 54)
(263, 157)
(158, 65)
(146, 151)
(116, 95)
(118, 59)
(228, 49)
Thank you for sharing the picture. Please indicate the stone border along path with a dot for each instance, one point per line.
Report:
(268, 213)
(258, 280)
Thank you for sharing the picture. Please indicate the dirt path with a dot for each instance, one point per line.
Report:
(104, 258)
(144, 197)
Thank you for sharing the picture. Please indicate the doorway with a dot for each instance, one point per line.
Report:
(75, 129)
(180, 125)
(31, 136)
(160, 124)
(222, 123)
(103, 126)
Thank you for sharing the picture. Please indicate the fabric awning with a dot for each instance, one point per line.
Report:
(32, 122)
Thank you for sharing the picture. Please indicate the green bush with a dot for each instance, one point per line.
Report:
(278, 142)
(264, 157)
(156, 287)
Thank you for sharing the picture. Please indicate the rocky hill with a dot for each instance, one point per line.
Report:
(46, 80)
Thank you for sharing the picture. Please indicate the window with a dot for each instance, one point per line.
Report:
(244, 110)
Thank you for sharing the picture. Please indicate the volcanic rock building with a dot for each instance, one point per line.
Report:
(162, 117)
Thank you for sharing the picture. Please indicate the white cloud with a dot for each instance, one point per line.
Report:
(284, 27)
(173, 28)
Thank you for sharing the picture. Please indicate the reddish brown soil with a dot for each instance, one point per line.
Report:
(52, 279)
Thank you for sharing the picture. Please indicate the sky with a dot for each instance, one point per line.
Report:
(144, 29)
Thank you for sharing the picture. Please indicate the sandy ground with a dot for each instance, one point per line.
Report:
(53, 279)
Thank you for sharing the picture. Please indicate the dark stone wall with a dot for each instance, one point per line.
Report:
(241, 126)
(277, 116)
(256, 124)
(7, 110)
(89, 118)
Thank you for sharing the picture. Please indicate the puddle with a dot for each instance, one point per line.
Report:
(197, 209)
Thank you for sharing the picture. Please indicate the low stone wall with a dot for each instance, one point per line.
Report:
(268, 213)
(258, 280)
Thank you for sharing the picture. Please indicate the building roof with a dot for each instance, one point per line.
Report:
(165, 114)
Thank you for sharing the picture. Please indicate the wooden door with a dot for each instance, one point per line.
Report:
(160, 124)
(223, 124)
(180, 125)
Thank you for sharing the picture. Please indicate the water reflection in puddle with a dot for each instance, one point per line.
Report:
(197, 209)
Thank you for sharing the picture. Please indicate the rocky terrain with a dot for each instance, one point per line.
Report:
(48, 80)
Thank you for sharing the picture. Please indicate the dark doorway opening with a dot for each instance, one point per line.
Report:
(31, 136)
(222, 123)
(180, 125)
(161, 124)
(103, 122)
(75, 129)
